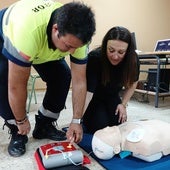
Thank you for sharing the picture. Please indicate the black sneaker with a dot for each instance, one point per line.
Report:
(46, 129)
(17, 144)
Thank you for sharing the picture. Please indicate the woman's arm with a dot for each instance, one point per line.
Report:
(128, 94)
(121, 108)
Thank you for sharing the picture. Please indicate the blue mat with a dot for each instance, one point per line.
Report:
(128, 163)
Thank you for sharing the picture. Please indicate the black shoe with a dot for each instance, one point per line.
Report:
(16, 146)
(46, 129)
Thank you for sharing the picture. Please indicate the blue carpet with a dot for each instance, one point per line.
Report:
(128, 163)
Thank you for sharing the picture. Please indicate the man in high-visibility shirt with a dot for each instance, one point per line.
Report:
(41, 34)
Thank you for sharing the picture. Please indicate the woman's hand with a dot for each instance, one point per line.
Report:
(121, 110)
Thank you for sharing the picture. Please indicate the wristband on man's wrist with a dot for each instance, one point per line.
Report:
(22, 121)
(76, 121)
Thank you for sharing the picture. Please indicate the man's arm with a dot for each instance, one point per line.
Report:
(89, 96)
(78, 72)
(79, 89)
(17, 93)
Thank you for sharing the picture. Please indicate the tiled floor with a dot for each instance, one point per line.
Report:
(136, 110)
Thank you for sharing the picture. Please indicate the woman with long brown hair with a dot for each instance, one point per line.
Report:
(110, 68)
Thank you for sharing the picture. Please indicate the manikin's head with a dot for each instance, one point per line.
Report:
(106, 142)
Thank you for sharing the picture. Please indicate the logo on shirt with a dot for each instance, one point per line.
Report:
(41, 7)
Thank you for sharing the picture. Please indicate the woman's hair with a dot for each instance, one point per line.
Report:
(129, 65)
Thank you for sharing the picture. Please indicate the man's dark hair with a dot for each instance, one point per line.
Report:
(75, 18)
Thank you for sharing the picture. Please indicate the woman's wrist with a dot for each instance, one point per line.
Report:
(124, 105)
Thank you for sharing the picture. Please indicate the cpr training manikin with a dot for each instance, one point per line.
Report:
(148, 140)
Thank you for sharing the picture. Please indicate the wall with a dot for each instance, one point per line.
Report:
(6, 3)
(149, 19)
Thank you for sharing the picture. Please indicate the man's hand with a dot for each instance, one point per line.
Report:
(24, 129)
(75, 133)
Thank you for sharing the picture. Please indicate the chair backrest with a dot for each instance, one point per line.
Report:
(134, 39)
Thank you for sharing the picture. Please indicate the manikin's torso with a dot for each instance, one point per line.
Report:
(145, 137)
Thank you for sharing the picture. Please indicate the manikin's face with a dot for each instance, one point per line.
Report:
(116, 51)
(66, 43)
(101, 149)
